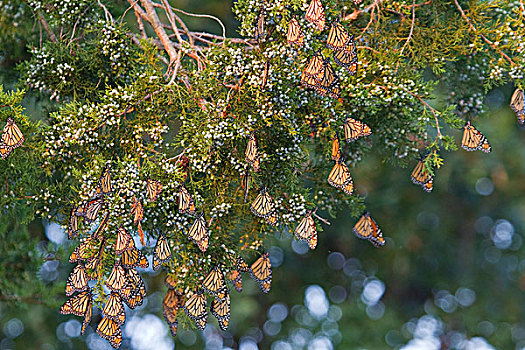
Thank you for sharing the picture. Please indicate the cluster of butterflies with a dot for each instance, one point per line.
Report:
(339, 177)
(11, 138)
(215, 285)
(318, 73)
(263, 206)
(124, 282)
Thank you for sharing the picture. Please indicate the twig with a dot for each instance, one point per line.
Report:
(177, 156)
(409, 34)
(44, 23)
(176, 69)
(314, 213)
(125, 12)
(109, 18)
(368, 48)
(471, 26)
(205, 16)
(432, 110)
(353, 16)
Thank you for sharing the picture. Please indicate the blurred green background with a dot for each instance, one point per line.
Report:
(450, 276)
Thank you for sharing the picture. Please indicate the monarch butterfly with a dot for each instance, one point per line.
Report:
(312, 243)
(306, 228)
(162, 252)
(114, 309)
(315, 14)
(347, 57)
(329, 84)
(124, 241)
(171, 304)
(252, 152)
(220, 308)
(77, 281)
(84, 250)
(265, 73)
(214, 283)
(133, 258)
(12, 136)
(136, 211)
(104, 183)
(336, 148)
(136, 282)
(259, 27)
(295, 34)
(313, 71)
(128, 291)
(171, 281)
(234, 276)
(136, 299)
(263, 205)
(337, 37)
(518, 105)
(154, 188)
(245, 182)
(4, 151)
(77, 305)
(110, 330)
(474, 140)
(420, 176)
(185, 201)
(261, 271)
(117, 278)
(366, 228)
(90, 210)
(195, 308)
(72, 230)
(199, 232)
(136, 289)
(102, 226)
(340, 177)
(355, 129)
(241, 265)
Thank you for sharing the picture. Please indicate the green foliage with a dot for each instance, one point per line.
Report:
(181, 113)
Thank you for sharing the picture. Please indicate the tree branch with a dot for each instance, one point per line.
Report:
(153, 19)
(409, 34)
(44, 23)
